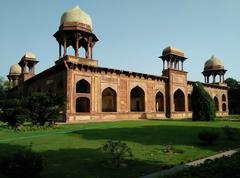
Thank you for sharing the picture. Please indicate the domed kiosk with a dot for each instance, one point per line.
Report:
(214, 67)
(76, 30)
(13, 76)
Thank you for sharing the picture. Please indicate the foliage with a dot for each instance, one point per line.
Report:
(117, 151)
(43, 108)
(21, 164)
(13, 113)
(3, 88)
(225, 167)
(233, 96)
(208, 137)
(203, 106)
(230, 132)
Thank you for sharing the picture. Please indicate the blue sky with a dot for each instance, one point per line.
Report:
(132, 33)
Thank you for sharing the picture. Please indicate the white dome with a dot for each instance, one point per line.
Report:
(76, 15)
(214, 63)
(15, 69)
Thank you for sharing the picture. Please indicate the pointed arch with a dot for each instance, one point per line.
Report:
(159, 99)
(179, 100)
(223, 97)
(137, 98)
(82, 104)
(109, 100)
(216, 103)
(82, 86)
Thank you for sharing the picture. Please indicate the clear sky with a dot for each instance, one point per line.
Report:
(132, 33)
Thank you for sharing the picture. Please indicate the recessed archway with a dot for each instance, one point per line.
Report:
(109, 100)
(82, 86)
(159, 102)
(216, 103)
(137, 99)
(82, 104)
(224, 107)
(179, 101)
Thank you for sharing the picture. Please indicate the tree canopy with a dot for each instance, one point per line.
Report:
(203, 106)
(233, 96)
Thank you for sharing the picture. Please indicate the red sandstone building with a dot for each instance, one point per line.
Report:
(97, 93)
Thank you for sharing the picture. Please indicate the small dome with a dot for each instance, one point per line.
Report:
(214, 63)
(76, 15)
(15, 70)
(172, 50)
(30, 56)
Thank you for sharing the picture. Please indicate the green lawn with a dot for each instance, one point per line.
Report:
(72, 151)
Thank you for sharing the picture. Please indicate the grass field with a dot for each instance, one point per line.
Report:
(72, 151)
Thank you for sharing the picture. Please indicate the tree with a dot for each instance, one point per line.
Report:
(233, 96)
(203, 106)
(13, 113)
(3, 88)
(43, 107)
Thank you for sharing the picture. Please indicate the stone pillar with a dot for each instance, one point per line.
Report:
(25, 67)
(15, 81)
(182, 65)
(163, 64)
(214, 78)
(76, 47)
(64, 45)
(10, 83)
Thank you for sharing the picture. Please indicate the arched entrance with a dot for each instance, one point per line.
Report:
(109, 100)
(137, 99)
(179, 101)
(82, 86)
(216, 103)
(159, 102)
(82, 104)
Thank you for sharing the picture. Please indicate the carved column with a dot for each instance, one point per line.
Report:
(76, 44)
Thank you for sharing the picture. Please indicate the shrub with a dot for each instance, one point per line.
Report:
(21, 164)
(229, 132)
(203, 106)
(208, 137)
(117, 151)
(13, 113)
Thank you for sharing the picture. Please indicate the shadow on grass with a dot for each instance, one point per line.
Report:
(85, 163)
(159, 135)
